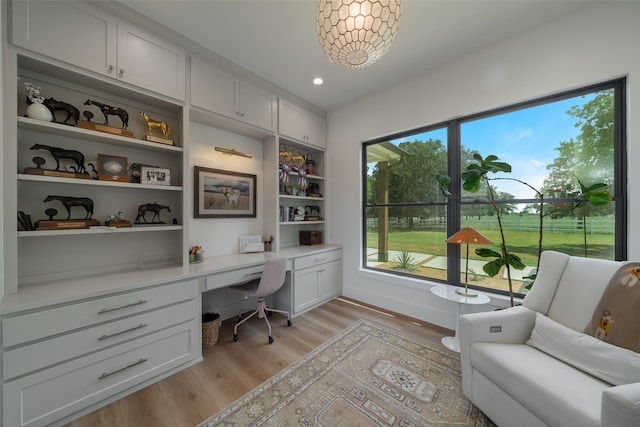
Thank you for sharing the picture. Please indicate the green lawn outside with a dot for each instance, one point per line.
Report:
(522, 243)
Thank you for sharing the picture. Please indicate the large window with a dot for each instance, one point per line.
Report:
(560, 151)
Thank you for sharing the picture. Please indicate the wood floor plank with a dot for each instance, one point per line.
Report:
(232, 369)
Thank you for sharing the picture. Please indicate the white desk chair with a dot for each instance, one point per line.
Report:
(269, 283)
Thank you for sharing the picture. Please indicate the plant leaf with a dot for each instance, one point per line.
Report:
(492, 268)
(515, 262)
(484, 252)
(599, 198)
(443, 183)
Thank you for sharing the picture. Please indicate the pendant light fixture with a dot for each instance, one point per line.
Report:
(356, 33)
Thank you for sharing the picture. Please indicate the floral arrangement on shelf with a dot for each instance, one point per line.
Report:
(33, 94)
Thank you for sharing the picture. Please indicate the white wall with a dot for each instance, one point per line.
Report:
(596, 44)
(219, 236)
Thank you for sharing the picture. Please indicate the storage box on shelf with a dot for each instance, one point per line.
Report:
(156, 240)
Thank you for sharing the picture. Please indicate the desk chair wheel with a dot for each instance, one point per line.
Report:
(235, 337)
(270, 339)
(288, 322)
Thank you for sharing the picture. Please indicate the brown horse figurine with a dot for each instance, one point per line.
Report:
(61, 153)
(108, 110)
(53, 106)
(69, 202)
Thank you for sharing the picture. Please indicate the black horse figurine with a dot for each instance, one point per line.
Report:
(109, 110)
(69, 202)
(53, 106)
(150, 207)
(61, 153)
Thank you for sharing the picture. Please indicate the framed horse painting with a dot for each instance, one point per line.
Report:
(223, 194)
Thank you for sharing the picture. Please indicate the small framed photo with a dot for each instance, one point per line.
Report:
(223, 194)
(112, 168)
(155, 176)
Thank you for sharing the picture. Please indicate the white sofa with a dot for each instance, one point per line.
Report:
(515, 384)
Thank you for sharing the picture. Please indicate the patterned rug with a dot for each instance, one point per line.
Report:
(368, 375)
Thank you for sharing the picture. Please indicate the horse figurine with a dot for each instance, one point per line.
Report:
(53, 106)
(150, 207)
(109, 110)
(69, 202)
(152, 124)
(61, 153)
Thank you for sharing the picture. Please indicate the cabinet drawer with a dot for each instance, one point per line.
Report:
(42, 398)
(41, 324)
(216, 281)
(42, 354)
(316, 259)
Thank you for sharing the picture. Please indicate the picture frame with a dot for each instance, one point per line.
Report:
(112, 168)
(155, 176)
(223, 194)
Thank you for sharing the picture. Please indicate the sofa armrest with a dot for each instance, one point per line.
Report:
(621, 406)
(515, 325)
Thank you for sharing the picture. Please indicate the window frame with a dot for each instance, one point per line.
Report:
(454, 148)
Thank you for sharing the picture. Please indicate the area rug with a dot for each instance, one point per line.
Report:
(368, 375)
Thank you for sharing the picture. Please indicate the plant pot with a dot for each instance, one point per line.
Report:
(39, 112)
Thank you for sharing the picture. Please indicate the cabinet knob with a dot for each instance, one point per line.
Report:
(109, 69)
(121, 73)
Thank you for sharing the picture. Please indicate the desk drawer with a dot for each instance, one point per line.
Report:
(316, 259)
(44, 397)
(41, 324)
(40, 355)
(216, 281)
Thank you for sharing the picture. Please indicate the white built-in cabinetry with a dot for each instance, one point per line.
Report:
(65, 356)
(297, 123)
(91, 251)
(60, 360)
(82, 35)
(317, 278)
(220, 92)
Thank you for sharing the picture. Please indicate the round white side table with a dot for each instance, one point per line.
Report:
(449, 293)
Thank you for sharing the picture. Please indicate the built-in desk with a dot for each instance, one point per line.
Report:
(72, 346)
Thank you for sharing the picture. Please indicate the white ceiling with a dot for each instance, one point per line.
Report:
(276, 39)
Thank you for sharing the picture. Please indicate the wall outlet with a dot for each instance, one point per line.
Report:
(494, 329)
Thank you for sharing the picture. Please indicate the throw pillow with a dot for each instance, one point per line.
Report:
(616, 318)
(607, 362)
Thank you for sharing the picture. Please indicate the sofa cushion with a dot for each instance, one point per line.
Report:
(616, 318)
(554, 391)
(607, 362)
(579, 290)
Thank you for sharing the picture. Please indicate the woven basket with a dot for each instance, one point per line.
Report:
(210, 332)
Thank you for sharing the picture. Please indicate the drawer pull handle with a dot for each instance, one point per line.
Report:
(140, 326)
(320, 259)
(108, 374)
(107, 310)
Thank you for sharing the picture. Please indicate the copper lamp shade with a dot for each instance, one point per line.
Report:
(468, 236)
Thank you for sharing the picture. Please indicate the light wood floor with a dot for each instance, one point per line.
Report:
(232, 369)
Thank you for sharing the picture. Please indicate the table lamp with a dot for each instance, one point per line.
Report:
(468, 236)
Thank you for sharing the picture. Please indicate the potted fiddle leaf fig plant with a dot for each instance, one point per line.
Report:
(477, 174)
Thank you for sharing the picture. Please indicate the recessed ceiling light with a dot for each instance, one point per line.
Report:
(318, 81)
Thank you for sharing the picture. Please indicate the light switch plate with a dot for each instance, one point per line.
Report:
(250, 244)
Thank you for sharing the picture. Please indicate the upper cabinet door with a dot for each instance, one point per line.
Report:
(302, 125)
(213, 89)
(257, 106)
(72, 32)
(291, 120)
(316, 130)
(150, 63)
